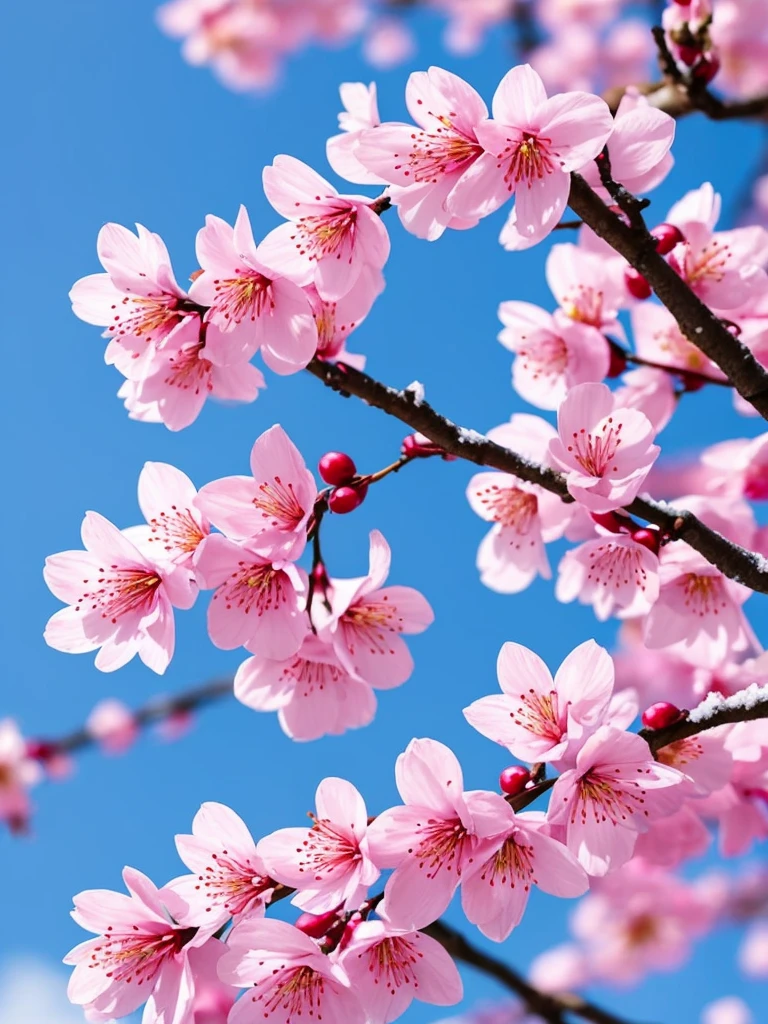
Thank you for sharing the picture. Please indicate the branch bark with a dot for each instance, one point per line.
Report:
(732, 560)
(731, 711)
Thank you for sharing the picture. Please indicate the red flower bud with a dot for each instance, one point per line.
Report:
(660, 715)
(513, 780)
(336, 468)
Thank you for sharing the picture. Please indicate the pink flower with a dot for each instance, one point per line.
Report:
(213, 999)
(270, 509)
(671, 841)
(367, 620)
(253, 307)
(613, 573)
(639, 147)
(753, 953)
(728, 1010)
(140, 954)
(652, 392)
(525, 516)
(312, 692)
(389, 968)
(604, 449)
(740, 806)
(586, 287)
(553, 353)
(179, 377)
(17, 773)
(360, 113)
(615, 791)
(432, 840)
(704, 759)
(738, 468)
(258, 604)
(495, 890)
(335, 321)
(426, 164)
(175, 526)
(537, 718)
(229, 880)
(287, 977)
(329, 237)
(113, 725)
(532, 145)
(118, 600)
(388, 42)
(658, 338)
(329, 864)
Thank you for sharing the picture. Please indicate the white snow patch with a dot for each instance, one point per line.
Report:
(746, 699)
(467, 436)
(417, 391)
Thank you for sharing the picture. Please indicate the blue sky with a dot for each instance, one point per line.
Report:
(105, 122)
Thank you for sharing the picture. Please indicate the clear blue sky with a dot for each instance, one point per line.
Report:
(104, 121)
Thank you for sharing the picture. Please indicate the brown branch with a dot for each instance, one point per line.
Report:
(733, 561)
(730, 713)
(696, 321)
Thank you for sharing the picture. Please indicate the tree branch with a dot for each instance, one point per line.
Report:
(733, 561)
(745, 706)
(696, 321)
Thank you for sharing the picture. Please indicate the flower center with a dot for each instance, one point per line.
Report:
(326, 850)
(510, 865)
(309, 675)
(584, 305)
(296, 992)
(188, 369)
(595, 452)
(709, 264)
(326, 234)
(144, 316)
(443, 846)
(232, 883)
(119, 591)
(253, 587)
(245, 297)
(528, 159)
(510, 506)
(703, 595)
(277, 501)
(603, 799)
(138, 956)
(444, 151)
(539, 713)
(176, 530)
(392, 963)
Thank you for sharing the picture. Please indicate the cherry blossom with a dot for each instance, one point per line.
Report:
(229, 879)
(119, 602)
(175, 526)
(313, 693)
(604, 449)
(389, 968)
(613, 573)
(537, 717)
(329, 237)
(738, 468)
(335, 321)
(329, 864)
(17, 773)
(728, 1010)
(585, 285)
(366, 621)
(361, 112)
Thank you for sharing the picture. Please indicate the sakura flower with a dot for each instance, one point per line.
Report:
(671, 841)
(525, 516)
(258, 603)
(536, 718)
(613, 573)
(639, 147)
(118, 601)
(389, 968)
(17, 773)
(738, 468)
(312, 692)
(426, 164)
(271, 508)
(659, 339)
(432, 840)
(740, 807)
(651, 392)
(113, 725)
(366, 621)
(586, 286)
(604, 449)
(142, 952)
(229, 879)
(329, 864)
(335, 321)
(142, 412)
(175, 526)
(329, 237)
(614, 793)
(361, 112)
(553, 353)
(180, 377)
(287, 977)
(704, 759)
(532, 144)
(213, 998)
(495, 890)
(253, 307)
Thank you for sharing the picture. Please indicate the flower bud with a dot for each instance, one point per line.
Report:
(336, 468)
(659, 716)
(636, 284)
(514, 779)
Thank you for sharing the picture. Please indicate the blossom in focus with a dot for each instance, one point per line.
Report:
(17, 773)
(536, 717)
(119, 602)
(328, 864)
(389, 968)
(229, 879)
(586, 287)
(313, 694)
(613, 573)
(329, 238)
(606, 451)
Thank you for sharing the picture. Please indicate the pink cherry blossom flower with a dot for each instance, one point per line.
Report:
(525, 516)
(141, 953)
(426, 164)
(740, 807)
(728, 1010)
(328, 239)
(537, 718)
(179, 377)
(432, 840)
(229, 879)
(335, 321)
(639, 147)
(118, 600)
(258, 603)
(495, 890)
(269, 509)
(113, 725)
(738, 468)
(659, 339)
(286, 976)
(213, 998)
(586, 286)
(17, 773)
(253, 307)
(553, 353)
(605, 450)
(532, 144)
(329, 864)
(671, 841)
(651, 392)
(142, 412)
(613, 573)
(615, 791)
(704, 759)
(312, 692)
(361, 112)
(389, 968)
(367, 620)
